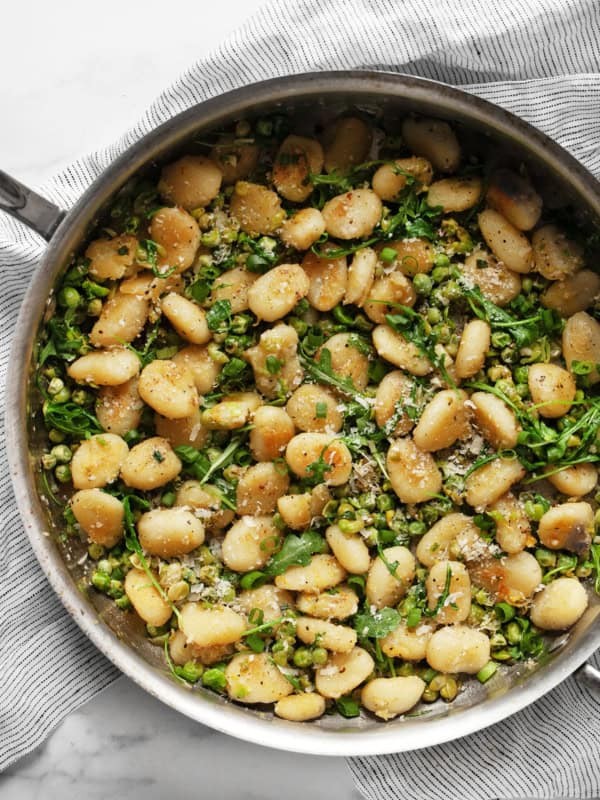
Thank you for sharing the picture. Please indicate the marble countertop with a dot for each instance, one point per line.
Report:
(70, 82)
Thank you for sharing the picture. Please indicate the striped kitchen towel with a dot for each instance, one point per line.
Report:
(538, 58)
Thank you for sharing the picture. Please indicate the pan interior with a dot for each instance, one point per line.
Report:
(311, 101)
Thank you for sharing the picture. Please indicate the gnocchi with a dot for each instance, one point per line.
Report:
(310, 398)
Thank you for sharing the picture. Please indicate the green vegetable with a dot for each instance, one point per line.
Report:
(214, 678)
(218, 315)
(133, 545)
(442, 598)
(295, 551)
(413, 618)
(377, 624)
(411, 325)
(595, 554)
(388, 254)
(316, 472)
(504, 611)
(523, 331)
(321, 410)
(321, 371)
(565, 563)
(485, 673)
(347, 707)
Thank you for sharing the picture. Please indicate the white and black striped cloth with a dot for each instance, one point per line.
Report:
(538, 58)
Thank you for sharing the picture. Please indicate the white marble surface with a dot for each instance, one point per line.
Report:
(73, 76)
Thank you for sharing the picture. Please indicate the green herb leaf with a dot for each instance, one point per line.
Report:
(442, 598)
(218, 314)
(296, 551)
(71, 418)
(348, 707)
(133, 545)
(377, 624)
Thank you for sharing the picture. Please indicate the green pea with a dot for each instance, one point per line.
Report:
(94, 307)
(350, 525)
(56, 436)
(388, 254)
(501, 339)
(416, 528)
(48, 461)
(545, 558)
(434, 315)
(55, 386)
(124, 603)
(440, 273)
(105, 566)
(62, 473)
(168, 499)
(69, 297)
(385, 502)
(513, 633)
(100, 580)
(527, 285)
(441, 260)
(319, 656)
(61, 453)
(429, 696)
(95, 551)
(211, 238)
(63, 396)
(303, 657)
(191, 671)
(422, 284)
(80, 397)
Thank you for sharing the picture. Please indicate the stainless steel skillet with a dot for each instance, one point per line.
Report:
(119, 636)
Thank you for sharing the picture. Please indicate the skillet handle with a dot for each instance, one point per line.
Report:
(589, 676)
(29, 207)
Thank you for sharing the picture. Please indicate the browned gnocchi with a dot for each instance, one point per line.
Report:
(322, 406)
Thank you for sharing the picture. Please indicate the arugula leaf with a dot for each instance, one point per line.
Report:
(295, 551)
(316, 472)
(595, 554)
(65, 338)
(411, 325)
(565, 563)
(133, 545)
(540, 444)
(433, 612)
(321, 371)
(347, 707)
(523, 331)
(376, 625)
(70, 418)
(217, 314)
(203, 468)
